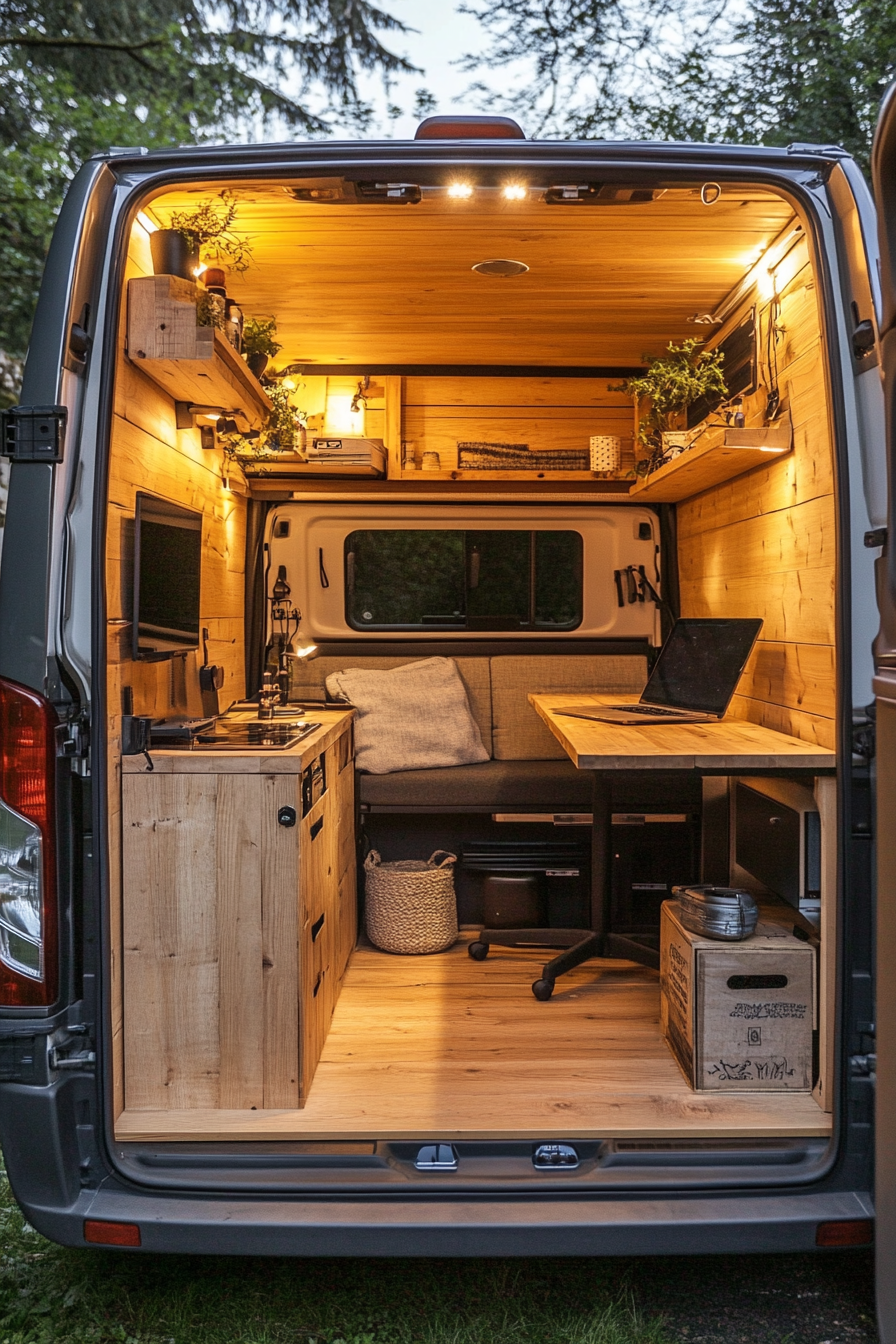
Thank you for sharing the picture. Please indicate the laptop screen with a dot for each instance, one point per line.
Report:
(700, 664)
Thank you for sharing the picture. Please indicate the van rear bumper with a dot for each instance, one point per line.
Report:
(458, 1226)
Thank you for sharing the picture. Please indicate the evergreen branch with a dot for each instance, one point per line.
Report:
(82, 43)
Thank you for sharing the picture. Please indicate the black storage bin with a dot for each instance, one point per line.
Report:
(648, 856)
(546, 882)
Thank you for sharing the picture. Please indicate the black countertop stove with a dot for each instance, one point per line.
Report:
(247, 737)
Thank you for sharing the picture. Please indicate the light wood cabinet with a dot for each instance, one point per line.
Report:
(238, 921)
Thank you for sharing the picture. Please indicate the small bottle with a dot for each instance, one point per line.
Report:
(268, 697)
(233, 324)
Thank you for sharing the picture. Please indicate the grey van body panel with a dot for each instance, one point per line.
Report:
(77, 1154)
(454, 1226)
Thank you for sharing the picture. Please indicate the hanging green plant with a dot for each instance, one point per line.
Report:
(672, 383)
(208, 230)
(284, 431)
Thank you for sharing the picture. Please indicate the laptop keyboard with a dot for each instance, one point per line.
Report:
(650, 709)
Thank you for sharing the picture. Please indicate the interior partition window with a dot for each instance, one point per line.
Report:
(478, 579)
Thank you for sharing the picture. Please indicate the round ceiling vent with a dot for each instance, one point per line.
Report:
(498, 267)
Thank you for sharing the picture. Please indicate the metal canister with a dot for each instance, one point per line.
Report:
(728, 914)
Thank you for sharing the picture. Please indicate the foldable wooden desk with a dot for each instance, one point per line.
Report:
(729, 747)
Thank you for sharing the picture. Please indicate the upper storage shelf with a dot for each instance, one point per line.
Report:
(722, 455)
(191, 363)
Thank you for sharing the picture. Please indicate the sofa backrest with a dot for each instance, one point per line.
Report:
(518, 733)
(498, 690)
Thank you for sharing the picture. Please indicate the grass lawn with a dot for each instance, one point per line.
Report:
(50, 1295)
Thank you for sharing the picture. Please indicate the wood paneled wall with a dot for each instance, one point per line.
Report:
(149, 453)
(545, 413)
(764, 544)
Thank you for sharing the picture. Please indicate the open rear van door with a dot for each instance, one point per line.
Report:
(884, 174)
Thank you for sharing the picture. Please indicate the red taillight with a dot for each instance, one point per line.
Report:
(469, 128)
(850, 1232)
(28, 901)
(100, 1233)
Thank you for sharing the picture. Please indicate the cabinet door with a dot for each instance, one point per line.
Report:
(279, 839)
(346, 920)
(318, 917)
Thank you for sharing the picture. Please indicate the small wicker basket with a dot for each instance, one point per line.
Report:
(410, 905)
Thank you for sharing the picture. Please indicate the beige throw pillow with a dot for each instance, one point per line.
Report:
(415, 717)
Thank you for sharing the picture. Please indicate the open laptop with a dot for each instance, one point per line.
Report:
(693, 679)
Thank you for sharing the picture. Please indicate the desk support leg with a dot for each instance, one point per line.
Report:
(601, 859)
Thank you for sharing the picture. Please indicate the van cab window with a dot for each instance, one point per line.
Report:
(478, 579)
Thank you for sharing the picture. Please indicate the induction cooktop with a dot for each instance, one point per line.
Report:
(252, 736)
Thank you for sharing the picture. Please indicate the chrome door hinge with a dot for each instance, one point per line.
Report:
(73, 1049)
(33, 433)
(863, 1066)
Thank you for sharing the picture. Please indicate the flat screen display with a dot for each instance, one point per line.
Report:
(167, 568)
(700, 664)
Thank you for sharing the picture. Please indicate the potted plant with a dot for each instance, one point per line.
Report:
(673, 382)
(207, 228)
(258, 343)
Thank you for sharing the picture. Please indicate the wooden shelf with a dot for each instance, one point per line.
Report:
(475, 474)
(190, 363)
(720, 457)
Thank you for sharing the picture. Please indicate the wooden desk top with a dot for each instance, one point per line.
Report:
(247, 762)
(732, 746)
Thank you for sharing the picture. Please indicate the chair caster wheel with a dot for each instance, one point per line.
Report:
(543, 989)
(478, 951)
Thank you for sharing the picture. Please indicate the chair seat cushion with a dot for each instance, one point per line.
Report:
(548, 786)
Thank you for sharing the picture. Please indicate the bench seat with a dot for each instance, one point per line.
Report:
(490, 786)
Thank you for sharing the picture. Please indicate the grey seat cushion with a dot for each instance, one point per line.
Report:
(548, 786)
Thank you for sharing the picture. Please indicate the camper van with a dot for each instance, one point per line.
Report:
(440, 621)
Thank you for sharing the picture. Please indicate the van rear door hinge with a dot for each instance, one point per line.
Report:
(33, 433)
(72, 1050)
(73, 738)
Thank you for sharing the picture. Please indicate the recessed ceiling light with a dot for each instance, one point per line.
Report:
(514, 191)
(460, 191)
(501, 267)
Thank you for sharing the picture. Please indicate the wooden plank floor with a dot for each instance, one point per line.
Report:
(445, 1047)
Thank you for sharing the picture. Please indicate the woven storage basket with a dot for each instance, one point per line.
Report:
(410, 905)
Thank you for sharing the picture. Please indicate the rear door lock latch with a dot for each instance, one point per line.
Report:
(549, 1156)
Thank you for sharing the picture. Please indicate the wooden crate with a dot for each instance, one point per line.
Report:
(738, 1017)
(191, 363)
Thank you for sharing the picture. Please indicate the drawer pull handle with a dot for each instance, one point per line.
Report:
(316, 928)
(316, 828)
(757, 982)
(287, 816)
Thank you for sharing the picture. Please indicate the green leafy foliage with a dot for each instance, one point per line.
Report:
(673, 382)
(767, 71)
(258, 337)
(79, 76)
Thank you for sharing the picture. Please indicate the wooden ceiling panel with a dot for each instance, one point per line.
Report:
(386, 285)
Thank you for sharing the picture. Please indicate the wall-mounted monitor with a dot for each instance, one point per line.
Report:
(167, 571)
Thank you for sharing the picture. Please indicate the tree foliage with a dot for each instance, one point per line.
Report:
(767, 71)
(79, 75)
